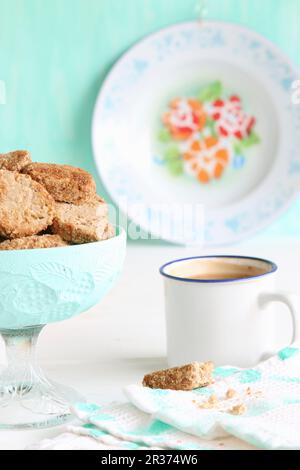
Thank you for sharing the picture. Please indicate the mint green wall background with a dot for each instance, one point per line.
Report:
(54, 55)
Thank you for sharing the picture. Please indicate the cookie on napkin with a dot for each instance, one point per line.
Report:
(187, 377)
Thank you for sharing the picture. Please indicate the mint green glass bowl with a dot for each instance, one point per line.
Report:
(38, 287)
(49, 285)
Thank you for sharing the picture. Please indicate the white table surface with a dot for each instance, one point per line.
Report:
(121, 339)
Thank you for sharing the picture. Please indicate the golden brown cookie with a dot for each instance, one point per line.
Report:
(82, 223)
(35, 241)
(65, 183)
(14, 161)
(187, 377)
(26, 208)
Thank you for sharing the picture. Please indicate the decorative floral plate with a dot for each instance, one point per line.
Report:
(195, 134)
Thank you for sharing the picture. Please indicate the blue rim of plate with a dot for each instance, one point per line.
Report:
(272, 265)
(282, 199)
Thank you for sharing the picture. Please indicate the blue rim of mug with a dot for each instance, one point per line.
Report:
(273, 266)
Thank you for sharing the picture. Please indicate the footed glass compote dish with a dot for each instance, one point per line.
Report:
(38, 287)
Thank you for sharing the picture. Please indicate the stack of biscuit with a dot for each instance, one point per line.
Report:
(44, 205)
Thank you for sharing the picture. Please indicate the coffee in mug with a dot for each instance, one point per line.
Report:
(220, 309)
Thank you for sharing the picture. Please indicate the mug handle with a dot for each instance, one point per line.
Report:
(292, 301)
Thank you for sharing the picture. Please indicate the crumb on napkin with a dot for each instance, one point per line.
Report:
(238, 409)
(231, 393)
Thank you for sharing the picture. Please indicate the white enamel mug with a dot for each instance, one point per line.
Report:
(227, 321)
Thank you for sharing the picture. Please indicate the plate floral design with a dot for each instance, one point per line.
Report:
(138, 147)
(203, 135)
